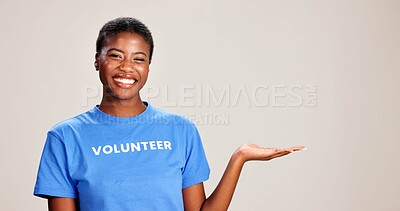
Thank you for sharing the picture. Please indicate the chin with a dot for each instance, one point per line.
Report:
(124, 97)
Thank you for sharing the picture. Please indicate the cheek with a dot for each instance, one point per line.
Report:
(103, 77)
(104, 73)
(143, 69)
(106, 68)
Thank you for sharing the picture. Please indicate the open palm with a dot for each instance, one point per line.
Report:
(255, 152)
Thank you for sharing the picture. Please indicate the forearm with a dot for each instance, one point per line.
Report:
(223, 193)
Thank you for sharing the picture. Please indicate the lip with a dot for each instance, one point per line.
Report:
(128, 78)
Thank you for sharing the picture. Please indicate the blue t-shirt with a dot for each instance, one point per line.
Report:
(122, 163)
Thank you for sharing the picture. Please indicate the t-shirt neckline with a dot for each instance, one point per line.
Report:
(101, 116)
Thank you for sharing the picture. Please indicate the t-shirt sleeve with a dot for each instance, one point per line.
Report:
(53, 178)
(196, 169)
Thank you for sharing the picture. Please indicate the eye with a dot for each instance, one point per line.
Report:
(115, 56)
(139, 59)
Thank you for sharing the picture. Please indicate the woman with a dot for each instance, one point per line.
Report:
(125, 154)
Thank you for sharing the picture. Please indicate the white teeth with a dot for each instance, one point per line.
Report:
(125, 80)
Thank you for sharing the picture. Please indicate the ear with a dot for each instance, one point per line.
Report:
(96, 61)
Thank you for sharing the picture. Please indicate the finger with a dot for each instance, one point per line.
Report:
(285, 152)
(279, 155)
(295, 148)
(280, 152)
(270, 150)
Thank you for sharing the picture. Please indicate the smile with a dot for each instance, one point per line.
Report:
(126, 81)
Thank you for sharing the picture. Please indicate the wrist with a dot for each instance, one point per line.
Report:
(239, 157)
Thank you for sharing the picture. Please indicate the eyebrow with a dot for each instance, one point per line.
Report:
(119, 50)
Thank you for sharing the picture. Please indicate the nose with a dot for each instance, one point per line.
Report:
(126, 66)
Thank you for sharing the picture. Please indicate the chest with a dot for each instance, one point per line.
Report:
(126, 160)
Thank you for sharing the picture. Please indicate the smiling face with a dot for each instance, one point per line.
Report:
(123, 65)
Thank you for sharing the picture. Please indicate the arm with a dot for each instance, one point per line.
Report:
(194, 197)
(62, 204)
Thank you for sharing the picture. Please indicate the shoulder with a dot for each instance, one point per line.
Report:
(61, 128)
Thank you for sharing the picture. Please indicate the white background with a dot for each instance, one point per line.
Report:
(349, 50)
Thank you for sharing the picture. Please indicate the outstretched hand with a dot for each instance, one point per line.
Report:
(222, 195)
(254, 152)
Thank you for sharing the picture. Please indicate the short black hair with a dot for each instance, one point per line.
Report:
(124, 24)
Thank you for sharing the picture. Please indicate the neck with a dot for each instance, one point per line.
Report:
(122, 108)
